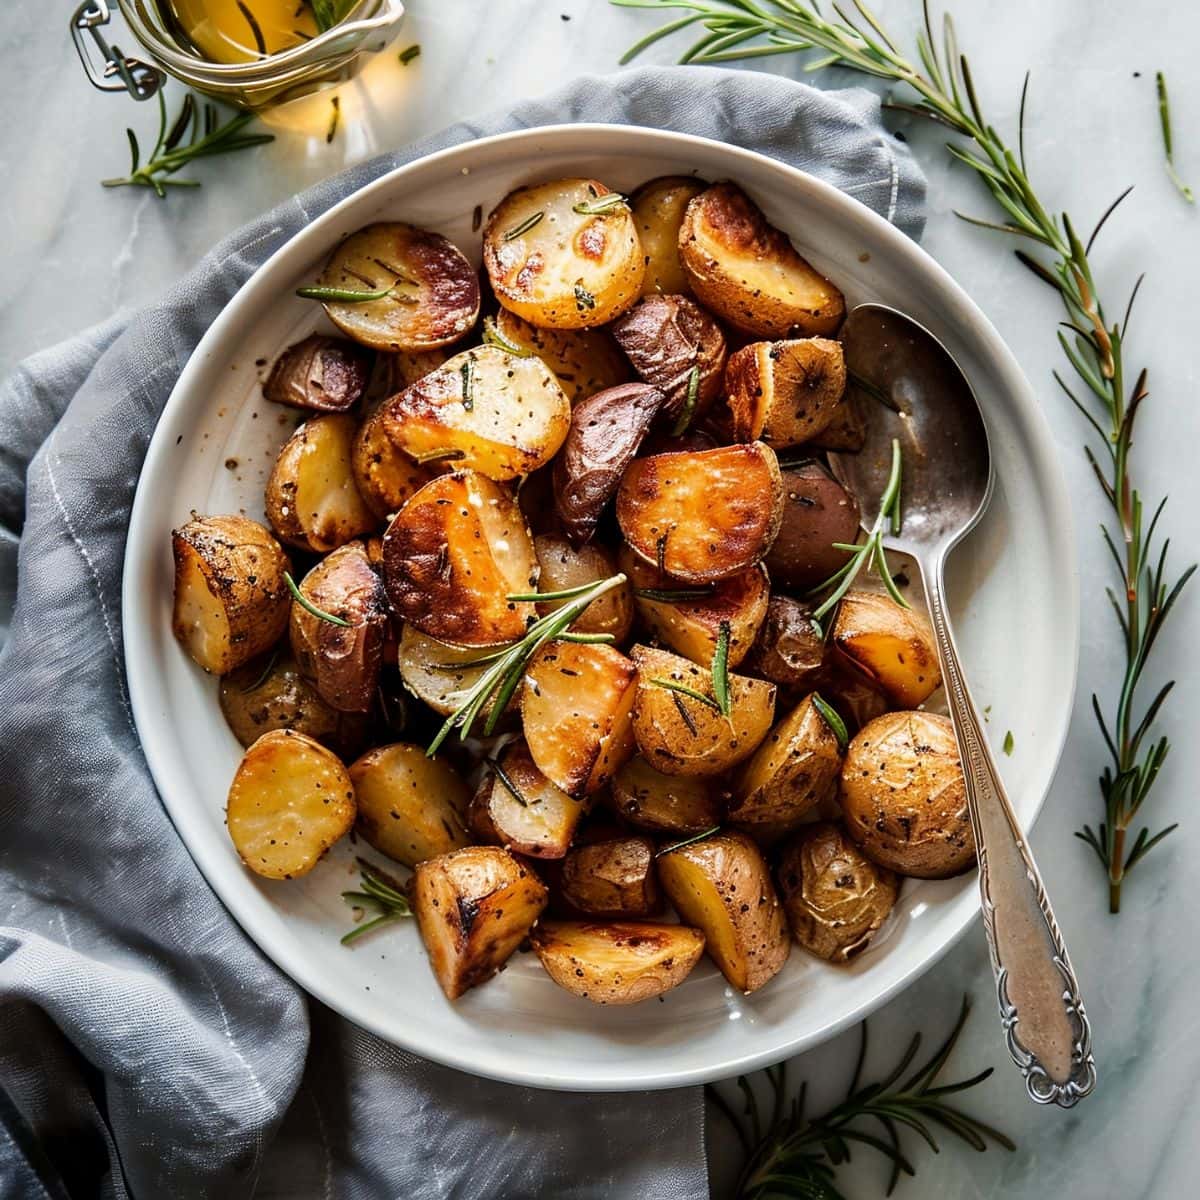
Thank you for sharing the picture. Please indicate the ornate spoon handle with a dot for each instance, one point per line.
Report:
(1046, 1027)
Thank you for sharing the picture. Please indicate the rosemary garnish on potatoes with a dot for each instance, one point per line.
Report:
(600, 205)
(524, 227)
(833, 719)
(494, 336)
(468, 383)
(691, 693)
(308, 606)
(688, 841)
(720, 670)
(377, 893)
(689, 404)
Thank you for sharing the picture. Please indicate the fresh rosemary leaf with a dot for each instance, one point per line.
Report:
(564, 594)
(308, 606)
(673, 595)
(509, 785)
(833, 719)
(328, 13)
(336, 295)
(690, 841)
(720, 670)
(468, 383)
(493, 336)
(1164, 116)
(691, 693)
(689, 404)
(379, 893)
(409, 53)
(1009, 743)
(433, 456)
(584, 298)
(600, 205)
(524, 227)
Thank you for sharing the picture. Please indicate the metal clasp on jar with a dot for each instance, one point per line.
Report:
(114, 72)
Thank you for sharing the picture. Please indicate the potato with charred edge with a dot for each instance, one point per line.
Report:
(723, 887)
(617, 962)
(903, 796)
(658, 208)
(613, 878)
(835, 898)
(564, 566)
(452, 557)
(525, 811)
(385, 476)
(290, 800)
(490, 410)
(747, 272)
(658, 803)
(790, 648)
(576, 707)
(474, 907)
(433, 296)
(680, 735)
(562, 256)
(785, 393)
(667, 339)
(438, 674)
(817, 512)
(231, 601)
(606, 431)
(702, 516)
(320, 374)
(893, 645)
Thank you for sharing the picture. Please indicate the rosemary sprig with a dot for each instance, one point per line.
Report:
(308, 606)
(493, 336)
(468, 383)
(377, 893)
(266, 673)
(672, 686)
(607, 203)
(673, 595)
(435, 456)
(720, 670)
(525, 226)
(688, 841)
(689, 404)
(509, 785)
(337, 295)
(833, 719)
(1164, 118)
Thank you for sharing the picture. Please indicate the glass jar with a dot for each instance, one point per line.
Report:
(324, 61)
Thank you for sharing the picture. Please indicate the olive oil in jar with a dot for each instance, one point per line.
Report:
(238, 31)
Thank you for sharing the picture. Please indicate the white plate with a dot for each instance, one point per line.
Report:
(1013, 591)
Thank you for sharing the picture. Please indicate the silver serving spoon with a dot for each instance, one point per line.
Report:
(947, 482)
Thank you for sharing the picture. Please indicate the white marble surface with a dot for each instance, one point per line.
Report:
(74, 253)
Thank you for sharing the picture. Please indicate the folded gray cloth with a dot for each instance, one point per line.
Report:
(147, 1048)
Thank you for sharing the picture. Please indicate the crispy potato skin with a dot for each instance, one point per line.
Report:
(718, 510)
(290, 800)
(789, 649)
(618, 962)
(231, 602)
(747, 272)
(658, 803)
(903, 796)
(564, 566)
(438, 303)
(451, 557)
(785, 393)
(658, 208)
(474, 907)
(723, 887)
(385, 476)
(540, 823)
(606, 431)
(836, 899)
(584, 361)
(893, 645)
(817, 511)
(320, 374)
(612, 878)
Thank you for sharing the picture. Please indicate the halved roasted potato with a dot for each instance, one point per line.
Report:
(488, 410)
(474, 907)
(584, 361)
(612, 878)
(617, 962)
(576, 707)
(564, 566)
(702, 516)
(312, 500)
(434, 292)
(723, 887)
(561, 255)
(893, 645)
(658, 208)
(454, 554)
(785, 393)
(231, 601)
(681, 735)
(410, 806)
(405, 367)
(290, 800)
(525, 811)
(385, 476)
(320, 374)
(660, 803)
(817, 512)
(747, 272)
(438, 674)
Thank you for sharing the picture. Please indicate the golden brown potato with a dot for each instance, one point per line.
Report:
(677, 804)
(681, 735)
(576, 707)
(343, 661)
(454, 554)
(405, 367)
(606, 431)
(497, 414)
(385, 476)
(312, 500)
(817, 512)
(702, 516)
(835, 898)
(434, 296)
(893, 645)
(564, 566)
(525, 811)
(791, 773)
(617, 963)
(612, 878)
(784, 393)
(722, 886)
(561, 256)
(290, 800)
(410, 807)
(748, 273)
(474, 907)
(658, 208)
(903, 796)
(321, 374)
(231, 602)
(430, 670)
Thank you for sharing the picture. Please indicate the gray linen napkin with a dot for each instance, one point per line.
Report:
(146, 1047)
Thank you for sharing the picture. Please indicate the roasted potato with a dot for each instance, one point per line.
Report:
(430, 670)
(474, 907)
(658, 208)
(835, 898)
(817, 512)
(385, 476)
(683, 736)
(290, 800)
(606, 431)
(559, 255)
(903, 796)
(790, 647)
(676, 804)
(405, 367)
(612, 878)
(525, 811)
(702, 516)
(893, 645)
(747, 272)
(320, 374)
(722, 886)
(410, 807)
(312, 500)
(453, 555)
(617, 962)
(576, 707)
(689, 621)
(791, 773)
(489, 410)
(231, 602)
(564, 566)
(668, 339)
(434, 296)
